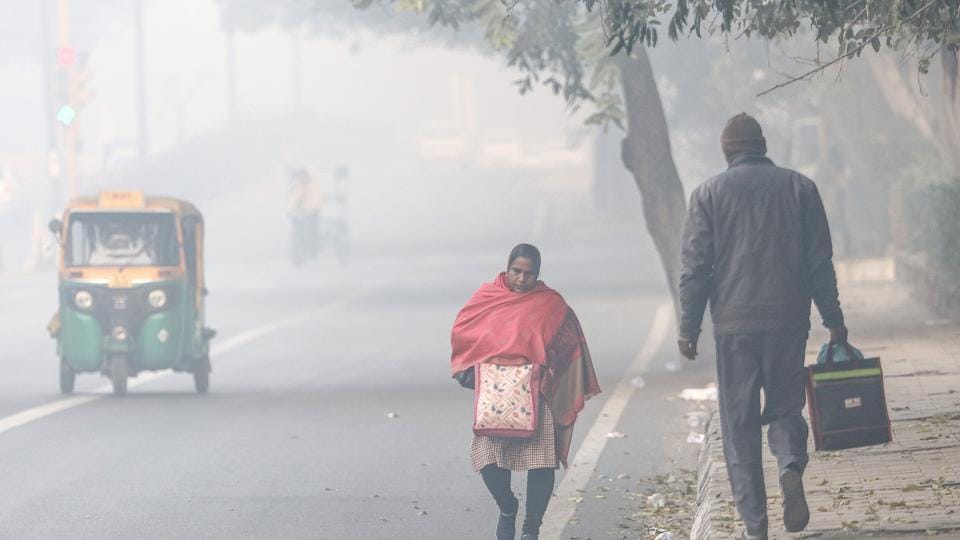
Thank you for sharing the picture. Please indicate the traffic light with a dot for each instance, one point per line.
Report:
(66, 114)
(61, 98)
(66, 56)
(72, 84)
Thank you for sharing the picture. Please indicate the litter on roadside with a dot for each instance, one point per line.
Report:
(393, 415)
(707, 393)
(657, 500)
(616, 435)
(696, 438)
(638, 382)
(696, 419)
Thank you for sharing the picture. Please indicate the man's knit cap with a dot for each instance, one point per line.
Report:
(743, 134)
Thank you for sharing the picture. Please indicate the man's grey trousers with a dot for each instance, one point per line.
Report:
(747, 363)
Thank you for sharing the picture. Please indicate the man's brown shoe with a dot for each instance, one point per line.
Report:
(796, 514)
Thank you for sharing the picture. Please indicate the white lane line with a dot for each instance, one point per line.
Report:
(47, 409)
(35, 413)
(241, 339)
(563, 506)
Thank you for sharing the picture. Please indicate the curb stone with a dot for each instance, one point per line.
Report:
(715, 516)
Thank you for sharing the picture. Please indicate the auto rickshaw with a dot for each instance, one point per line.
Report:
(131, 289)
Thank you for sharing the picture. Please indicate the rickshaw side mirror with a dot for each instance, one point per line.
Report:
(55, 226)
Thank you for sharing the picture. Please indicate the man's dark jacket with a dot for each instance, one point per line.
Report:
(756, 244)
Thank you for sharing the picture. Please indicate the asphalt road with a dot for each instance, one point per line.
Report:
(296, 439)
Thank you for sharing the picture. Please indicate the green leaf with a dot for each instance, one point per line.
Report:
(595, 119)
(618, 47)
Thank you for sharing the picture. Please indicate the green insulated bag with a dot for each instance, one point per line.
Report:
(847, 404)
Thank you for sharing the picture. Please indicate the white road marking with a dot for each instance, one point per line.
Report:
(563, 506)
(41, 411)
(47, 409)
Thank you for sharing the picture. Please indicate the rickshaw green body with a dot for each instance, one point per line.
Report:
(169, 338)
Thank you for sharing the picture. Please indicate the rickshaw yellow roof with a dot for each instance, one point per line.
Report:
(178, 206)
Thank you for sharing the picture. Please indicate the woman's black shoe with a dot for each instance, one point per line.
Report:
(507, 524)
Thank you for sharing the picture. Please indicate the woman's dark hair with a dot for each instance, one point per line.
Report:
(526, 251)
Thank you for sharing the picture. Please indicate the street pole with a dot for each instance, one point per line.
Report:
(143, 144)
(46, 63)
(53, 142)
(70, 131)
(297, 71)
(231, 77)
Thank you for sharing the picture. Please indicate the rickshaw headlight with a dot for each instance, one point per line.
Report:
(83, 300)
(119, 333)
(157, 299)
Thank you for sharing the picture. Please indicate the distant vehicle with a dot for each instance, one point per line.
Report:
(304, 203)
(500, 148)
(131, 289)
(318, 220)
(443, 144)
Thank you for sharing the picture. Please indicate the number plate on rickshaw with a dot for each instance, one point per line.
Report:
(120, 301)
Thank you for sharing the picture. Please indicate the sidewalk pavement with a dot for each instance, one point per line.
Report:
(909, 488)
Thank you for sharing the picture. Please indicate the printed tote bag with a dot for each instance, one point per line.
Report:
(507, 400)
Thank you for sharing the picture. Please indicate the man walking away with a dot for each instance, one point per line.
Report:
(756, 244)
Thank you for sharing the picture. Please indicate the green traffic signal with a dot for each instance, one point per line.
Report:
(66, 115)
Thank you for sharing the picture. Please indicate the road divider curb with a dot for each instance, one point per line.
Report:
(711, 481)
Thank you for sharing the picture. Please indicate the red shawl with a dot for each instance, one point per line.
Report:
(533, 327)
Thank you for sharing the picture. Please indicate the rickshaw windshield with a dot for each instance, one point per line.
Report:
(121, 239)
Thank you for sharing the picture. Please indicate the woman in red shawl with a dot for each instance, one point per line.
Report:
(516, 320)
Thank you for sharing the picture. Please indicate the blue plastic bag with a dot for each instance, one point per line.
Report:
(840, 353)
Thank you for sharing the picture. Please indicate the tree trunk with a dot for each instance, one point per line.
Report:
(950, 61)
(646, 153)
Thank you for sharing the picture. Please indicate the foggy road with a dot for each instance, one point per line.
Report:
(296, 438)
(342, 176)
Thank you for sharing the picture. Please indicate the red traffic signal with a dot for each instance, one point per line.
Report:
(67, 56)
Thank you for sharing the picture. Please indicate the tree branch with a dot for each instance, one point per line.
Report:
(509, 4)
(856, 50)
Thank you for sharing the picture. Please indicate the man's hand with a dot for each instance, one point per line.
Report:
(688, 348)
(838, 335)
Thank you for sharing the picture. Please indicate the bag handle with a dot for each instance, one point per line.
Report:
(846, 344)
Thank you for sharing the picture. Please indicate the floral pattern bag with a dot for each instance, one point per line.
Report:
(507, 400)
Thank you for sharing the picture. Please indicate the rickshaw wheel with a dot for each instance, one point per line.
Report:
(118, 375)
(67, 378)
(201, 376)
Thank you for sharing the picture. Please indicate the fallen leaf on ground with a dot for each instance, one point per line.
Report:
(707, 393)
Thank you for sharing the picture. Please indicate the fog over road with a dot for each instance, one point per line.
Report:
(294, 440)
